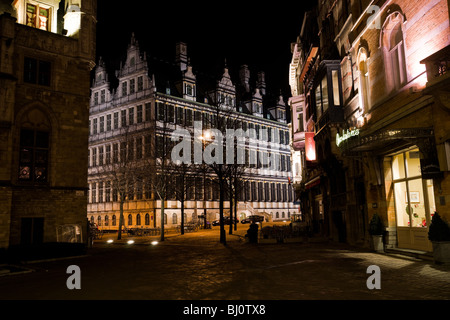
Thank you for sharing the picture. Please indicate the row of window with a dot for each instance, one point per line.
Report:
(142, 147)
(186, 117)
(251, 191)
(120, 119)
(147, 218)
(128, 87)
(132, 86)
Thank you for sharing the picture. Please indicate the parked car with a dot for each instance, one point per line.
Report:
(226, 221)
(255, 218)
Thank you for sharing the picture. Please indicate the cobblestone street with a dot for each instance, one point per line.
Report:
(195, 266)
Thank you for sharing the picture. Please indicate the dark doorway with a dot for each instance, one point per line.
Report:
(32, 231)
(339, 223)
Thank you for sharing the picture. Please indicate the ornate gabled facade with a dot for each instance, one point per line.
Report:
(47, 51)
(153, 98)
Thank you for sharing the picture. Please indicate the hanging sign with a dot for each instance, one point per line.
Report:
(310, 146)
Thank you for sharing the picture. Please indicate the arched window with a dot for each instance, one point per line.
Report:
(92, 219)
(147, 219)
(106, 221)
(394, 51)
(174, 218)
(99, 220)
(363, 80)
(113, 220)
(130, 220)
(165, 218)
(138, 219)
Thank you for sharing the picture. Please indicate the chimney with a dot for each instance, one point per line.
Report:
(261, 83)
(244, 74)
(181, 56)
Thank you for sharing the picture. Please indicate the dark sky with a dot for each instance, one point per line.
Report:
(242, 32)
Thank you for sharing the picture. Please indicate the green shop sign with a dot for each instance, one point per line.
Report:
(346, 135)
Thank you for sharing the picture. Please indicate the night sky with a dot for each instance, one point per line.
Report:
(258, 34)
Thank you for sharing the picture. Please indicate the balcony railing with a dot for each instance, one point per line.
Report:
(437, 65)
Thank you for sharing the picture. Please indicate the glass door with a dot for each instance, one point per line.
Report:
(414, 201)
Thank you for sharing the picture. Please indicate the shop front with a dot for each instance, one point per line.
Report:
(413, 199)
(400, 181)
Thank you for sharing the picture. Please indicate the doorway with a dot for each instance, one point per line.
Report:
(32, 231)
(414, 201)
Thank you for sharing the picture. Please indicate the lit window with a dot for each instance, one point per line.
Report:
(363, 79)
(394, 55)
(38, 16)
(33, 158)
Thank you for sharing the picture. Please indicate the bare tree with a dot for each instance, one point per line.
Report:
(118, 169)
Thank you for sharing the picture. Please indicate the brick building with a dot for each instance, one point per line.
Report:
(391, 143)
(47, 51)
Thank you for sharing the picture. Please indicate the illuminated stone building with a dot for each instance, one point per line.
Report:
(47, 51)
(153, 98)
(392, 144)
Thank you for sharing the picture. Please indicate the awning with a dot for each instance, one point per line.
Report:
(312, 183)
(312, 54)
(384, 139)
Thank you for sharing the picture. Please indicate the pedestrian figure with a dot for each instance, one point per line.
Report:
(252, 233)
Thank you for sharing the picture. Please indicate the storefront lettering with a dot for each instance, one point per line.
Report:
(346, 135)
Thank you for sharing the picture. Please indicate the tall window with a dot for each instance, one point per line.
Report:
(140, 83)
(363, 80)
(414, 196)
(33, 158)
(394, 53)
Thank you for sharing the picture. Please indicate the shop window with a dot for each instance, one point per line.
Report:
(414, 197)
(33, 157)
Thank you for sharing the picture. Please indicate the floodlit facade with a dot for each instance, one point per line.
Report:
(152, 100)
(44, 89)
(372, 88)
